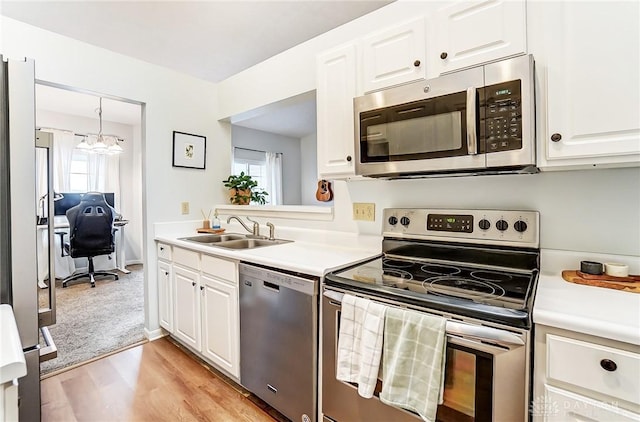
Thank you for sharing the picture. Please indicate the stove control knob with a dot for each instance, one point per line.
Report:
(520, 226)
(405, 221)
(393, 220)
(484, 224)
(502, 225)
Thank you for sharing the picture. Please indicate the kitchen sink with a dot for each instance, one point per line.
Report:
(213, 238)
(232, 241)
(250, 243)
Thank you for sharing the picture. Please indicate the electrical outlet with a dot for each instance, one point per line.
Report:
(184, 207)
(364, 211)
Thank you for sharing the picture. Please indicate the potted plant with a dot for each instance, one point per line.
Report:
(243, 190)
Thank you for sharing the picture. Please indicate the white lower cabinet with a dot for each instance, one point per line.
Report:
(198, 304)
(186, 283)
(165, 295)
(562, 405)
(578, 377)
(220, 330)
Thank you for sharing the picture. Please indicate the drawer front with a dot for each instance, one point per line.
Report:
(187, 258)
(562, 405)
(606, 370)
(219, 268)
(164, 251)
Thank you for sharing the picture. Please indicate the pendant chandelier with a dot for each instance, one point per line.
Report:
(100, 143)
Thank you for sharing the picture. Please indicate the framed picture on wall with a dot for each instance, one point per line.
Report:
(189, 150)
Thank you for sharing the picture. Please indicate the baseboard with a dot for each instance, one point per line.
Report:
(134, 262)
(155, 334)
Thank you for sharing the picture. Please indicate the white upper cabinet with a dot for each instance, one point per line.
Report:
(588, 61)
(394, 56)
(336, 73)
(469, 33)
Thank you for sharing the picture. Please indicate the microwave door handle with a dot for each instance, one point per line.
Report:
(472, 137)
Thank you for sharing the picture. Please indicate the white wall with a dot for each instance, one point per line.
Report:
(129, 203)
(172, 101)
(309, 169)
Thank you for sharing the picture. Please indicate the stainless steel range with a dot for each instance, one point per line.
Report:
(478, 269)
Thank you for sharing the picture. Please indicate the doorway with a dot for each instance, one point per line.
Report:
(93, 322)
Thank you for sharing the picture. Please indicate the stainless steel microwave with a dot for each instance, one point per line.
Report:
(478, 120)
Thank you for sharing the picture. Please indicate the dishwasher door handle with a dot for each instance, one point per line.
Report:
(271, 286)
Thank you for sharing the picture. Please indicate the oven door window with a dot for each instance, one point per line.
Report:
(468, 386)
(430, 128)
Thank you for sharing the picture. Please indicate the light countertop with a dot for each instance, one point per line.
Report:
(596, 311)
(312, 252)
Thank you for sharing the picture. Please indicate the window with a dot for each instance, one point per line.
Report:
(79, 172)
(258, 165)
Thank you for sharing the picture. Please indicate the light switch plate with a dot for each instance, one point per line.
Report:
(184, 207)
(364, 211)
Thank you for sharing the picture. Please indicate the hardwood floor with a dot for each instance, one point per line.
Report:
(156, 381)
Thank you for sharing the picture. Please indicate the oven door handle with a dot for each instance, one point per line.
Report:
(480, 332)
(472, 131)
(476, 332)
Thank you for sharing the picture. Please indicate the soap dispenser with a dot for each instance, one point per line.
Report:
(216, 221)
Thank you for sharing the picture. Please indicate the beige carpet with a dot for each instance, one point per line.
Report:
(92, 322)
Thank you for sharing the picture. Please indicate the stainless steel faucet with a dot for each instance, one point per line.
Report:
(256, 225)
(272, 231)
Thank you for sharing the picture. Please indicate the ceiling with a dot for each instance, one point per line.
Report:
(211, 40)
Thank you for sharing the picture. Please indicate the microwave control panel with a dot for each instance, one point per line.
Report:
(503, 117)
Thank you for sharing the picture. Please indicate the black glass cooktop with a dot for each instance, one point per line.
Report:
(493, 287)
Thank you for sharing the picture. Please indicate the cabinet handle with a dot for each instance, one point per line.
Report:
(201, 287)
(161, 248)
(556, 137)
(416, 63)
(193, 283)
(608, 365)
(348, 158)
(443, 55)
(166, 273)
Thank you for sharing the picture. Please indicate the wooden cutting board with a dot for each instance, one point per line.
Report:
(214, 231)
(627, 284)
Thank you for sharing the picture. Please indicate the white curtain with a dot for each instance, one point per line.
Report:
(63, 146)
(274, 177)
(104, 174)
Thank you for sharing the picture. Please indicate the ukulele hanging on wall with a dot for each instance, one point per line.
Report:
(324, 193)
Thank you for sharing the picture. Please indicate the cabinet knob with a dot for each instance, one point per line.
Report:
(443, 55)
(161, 248)
(193, 283)
(348, 158)
(416, 63)
(556, 137)
(166, 273)
(201, 287)
(608, 365)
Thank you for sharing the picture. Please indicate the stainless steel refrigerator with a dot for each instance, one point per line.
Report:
(18, 218)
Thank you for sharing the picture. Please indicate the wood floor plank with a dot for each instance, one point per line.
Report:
(156, 381)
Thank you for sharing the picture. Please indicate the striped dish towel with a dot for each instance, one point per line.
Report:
(360, 343)
(413, 361)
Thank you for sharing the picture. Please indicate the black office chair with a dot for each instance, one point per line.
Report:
(91, 233)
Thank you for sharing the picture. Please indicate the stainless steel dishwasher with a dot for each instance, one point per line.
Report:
(279, 339)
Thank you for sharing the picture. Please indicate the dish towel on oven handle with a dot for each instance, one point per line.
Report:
(413, 361)
(360, 343)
